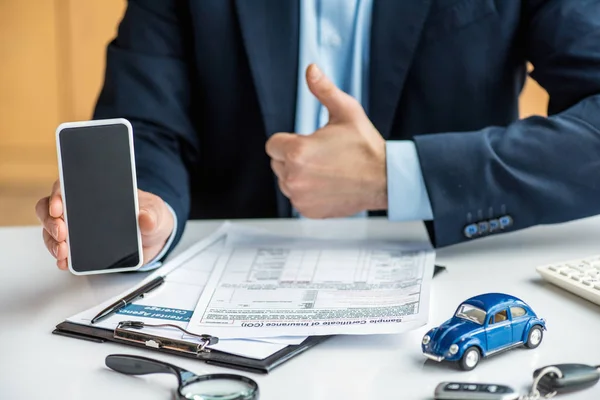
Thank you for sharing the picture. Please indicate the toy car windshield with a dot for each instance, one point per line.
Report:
(471, 313)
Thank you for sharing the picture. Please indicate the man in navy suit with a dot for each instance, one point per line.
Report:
(411, 111)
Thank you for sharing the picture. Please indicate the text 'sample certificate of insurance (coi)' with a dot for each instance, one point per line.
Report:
(273, 286)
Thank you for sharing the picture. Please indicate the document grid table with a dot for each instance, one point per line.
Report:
(35, 296)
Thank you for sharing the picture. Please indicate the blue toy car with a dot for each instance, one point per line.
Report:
(482, 326)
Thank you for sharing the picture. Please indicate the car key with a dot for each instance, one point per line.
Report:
(574, 377)
(474, 391)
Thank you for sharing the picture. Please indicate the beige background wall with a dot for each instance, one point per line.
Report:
(52, 64)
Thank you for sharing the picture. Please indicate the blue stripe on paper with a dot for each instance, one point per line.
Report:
(164, 313)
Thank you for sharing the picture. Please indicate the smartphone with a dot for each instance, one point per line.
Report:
(99, 191)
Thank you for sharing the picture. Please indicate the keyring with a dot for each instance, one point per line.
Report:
(191, 386)
(535, 392)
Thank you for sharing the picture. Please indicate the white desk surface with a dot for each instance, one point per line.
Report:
(35, 296)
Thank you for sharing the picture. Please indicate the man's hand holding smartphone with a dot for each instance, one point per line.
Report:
(155, 221)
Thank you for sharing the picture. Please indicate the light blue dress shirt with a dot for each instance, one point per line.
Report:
(336, 35)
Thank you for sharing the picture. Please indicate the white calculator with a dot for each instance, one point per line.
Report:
(579, 276)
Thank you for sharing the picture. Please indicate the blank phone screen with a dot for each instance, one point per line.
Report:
(99, 197)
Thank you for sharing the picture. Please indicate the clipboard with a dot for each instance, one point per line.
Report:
(129, 333)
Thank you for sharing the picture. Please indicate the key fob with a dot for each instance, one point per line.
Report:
(575, 377)
(474, 391)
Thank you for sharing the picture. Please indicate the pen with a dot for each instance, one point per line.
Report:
(128, 299)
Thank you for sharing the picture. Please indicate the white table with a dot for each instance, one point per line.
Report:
(35, 296)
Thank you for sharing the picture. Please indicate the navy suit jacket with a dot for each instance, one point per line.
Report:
(205, 83)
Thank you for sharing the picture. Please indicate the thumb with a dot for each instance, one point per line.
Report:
(341, 106)
(148, 221)
(155, 220)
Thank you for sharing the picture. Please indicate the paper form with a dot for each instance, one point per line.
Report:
(264, 286)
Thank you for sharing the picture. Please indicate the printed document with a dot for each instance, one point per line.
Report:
(271, 286)
(258, 292)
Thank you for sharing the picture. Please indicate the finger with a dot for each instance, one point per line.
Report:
(63, 251)
(42, 209)
(56, 227)
(340, 105)
(59, 250)
(308, 210)
(280, 145)
(51, 244)
(63, 264)
(278, 168)
(313, 211)
(284, 189)
(55, 207)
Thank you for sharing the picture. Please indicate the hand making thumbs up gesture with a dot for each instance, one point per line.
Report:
(340, 169)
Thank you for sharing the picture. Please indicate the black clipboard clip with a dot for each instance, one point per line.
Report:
(129, 331)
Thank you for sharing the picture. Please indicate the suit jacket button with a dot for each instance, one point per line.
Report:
(470, 230)
(505, 221)
(494, 225)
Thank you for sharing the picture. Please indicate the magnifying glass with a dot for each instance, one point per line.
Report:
(191, 386)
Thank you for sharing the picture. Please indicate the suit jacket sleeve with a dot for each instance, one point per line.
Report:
(537, 170)
(147, 81)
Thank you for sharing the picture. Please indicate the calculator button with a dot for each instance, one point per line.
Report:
(492, 388)
(588, 282)
(553, 268)
(579, 269)
(453, 386)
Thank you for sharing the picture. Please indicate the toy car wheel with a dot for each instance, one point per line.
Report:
(535, 337)
(470, 359)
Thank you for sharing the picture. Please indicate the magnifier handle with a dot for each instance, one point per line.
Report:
(136, 365)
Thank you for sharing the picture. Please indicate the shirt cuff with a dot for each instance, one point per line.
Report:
(407, 195)
(156, 261)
